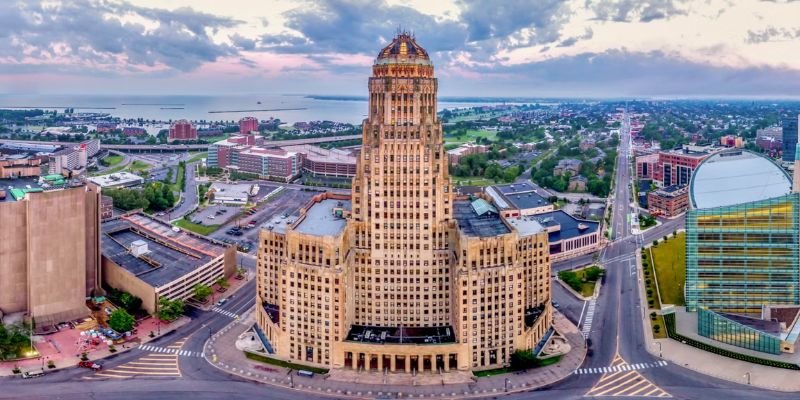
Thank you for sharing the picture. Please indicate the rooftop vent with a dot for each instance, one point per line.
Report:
(139, 248)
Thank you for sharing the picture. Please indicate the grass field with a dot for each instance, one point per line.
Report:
(582, 285)
(669, 258)
(197, 157)
(470, 136)
(113, 160)
(472, 180)
(138, 166)
(196, 228)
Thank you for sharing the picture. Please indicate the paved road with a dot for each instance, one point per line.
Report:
(616, 335)
(189, 196)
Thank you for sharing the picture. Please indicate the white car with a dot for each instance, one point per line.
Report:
(210, 217)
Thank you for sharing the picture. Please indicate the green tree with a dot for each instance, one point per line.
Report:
(222, 282)
(169, 310)
(121, 321)
(14, 342)
(201, 292)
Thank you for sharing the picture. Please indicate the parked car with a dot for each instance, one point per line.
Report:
(32, 374)
(91, 365)
(222, 301)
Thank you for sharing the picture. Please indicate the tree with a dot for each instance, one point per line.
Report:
(121, 321)
(130, 302)
(14, 342)
(169, 310)
(201, 292)
(222, 282)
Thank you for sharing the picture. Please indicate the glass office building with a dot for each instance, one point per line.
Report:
(789, 138)
(741, 235)
(745, 332)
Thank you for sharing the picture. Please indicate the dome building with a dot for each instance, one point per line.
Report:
(402, 276)
(742, 250)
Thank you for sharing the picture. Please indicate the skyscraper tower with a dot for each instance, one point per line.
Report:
(401, 194)
(402, 275)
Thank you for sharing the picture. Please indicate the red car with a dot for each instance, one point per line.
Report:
(91, 365)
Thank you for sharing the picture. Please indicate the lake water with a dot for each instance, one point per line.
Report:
(197, 108)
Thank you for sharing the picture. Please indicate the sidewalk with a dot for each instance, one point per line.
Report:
(711, 364)
(62, 347)
(221, 352)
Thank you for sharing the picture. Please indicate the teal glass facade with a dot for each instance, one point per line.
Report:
(725, 330)
(743, 256)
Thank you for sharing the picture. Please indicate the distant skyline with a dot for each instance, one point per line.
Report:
(535, 48)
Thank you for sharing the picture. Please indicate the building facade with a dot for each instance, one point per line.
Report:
(742, 235)
(675, 167)
(789, 138)
(248, 125)
(182, 130)
(401, 275)
(49, 255)
(669, 201)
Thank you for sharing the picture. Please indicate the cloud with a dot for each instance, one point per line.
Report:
(100, 35)
(242, 42)
(636, 10)
(575, 39)
(771, 34)
(490, 19)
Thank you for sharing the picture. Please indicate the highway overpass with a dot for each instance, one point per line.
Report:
(149, 148)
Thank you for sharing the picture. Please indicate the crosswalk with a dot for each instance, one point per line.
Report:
(620, 368)
(587, 322)
(160, 362)
(225, 313)
(624, 381)
(170, 350)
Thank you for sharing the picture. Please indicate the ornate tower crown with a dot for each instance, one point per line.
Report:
(403, 49)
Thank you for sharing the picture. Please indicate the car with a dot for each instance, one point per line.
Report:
(222, 301)
(32, 374)
(556, 305)
(210, 217)
(91, 365)
(223, 211)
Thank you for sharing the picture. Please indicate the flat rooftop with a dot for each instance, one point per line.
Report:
(486, 225)
(526, 226)
(318, 154)
(570, 227)
(516, 195)
(117, 179)
(170, 256)
(322, 219)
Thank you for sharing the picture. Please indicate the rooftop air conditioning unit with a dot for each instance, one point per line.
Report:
(139, 248)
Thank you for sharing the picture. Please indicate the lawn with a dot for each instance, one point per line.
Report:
(284, 364)
(113, 160)
(138, 166)
(472, 180)
(197, 157)
(670, 266)
(196, 228)
(582, 280)
(470, 136)
(111, 170)
(662, 328)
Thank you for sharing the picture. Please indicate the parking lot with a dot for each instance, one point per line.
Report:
(287, 202)
(215, 215)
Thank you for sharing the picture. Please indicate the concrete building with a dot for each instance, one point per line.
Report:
(325, 162)
(518, 199)
(248, 125)
(669, 202)
(71, 160)
(455, 155)
(577, 183)
(402, 276)
(49, 256)
(19, 165)
(117, 180)
(224, 193)
(151, 259)
(567, 236)
(182, 130)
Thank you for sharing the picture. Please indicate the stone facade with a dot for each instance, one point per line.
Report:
(398, 283)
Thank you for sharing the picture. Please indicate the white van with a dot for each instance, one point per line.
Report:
(32, 374)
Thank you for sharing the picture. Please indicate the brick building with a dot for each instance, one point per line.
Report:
(182, 130)
(669, 201)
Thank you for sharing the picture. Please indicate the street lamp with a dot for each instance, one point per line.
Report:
(747, 374)
(660, 353)
(505, 384)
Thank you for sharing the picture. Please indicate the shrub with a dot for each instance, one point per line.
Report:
(121, 321)
(84, 357)
(51, 364)
(651, 302)
(653, 315)
(16, 370)
(657, 328)
(649, 292)
(648, 281)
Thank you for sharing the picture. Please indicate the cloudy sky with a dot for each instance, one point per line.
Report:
(598, 48)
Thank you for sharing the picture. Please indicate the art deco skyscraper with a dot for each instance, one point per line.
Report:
(402, 275)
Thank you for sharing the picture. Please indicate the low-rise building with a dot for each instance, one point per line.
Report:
(646, 165)
(568, 236)
(567, 165)
(117, 180)
(454, 155)
(151, 259)
(577, 183)
(225, 193)
(19, 165)
(669, 201)
(518, 199)
(325, 162)
(675, 167)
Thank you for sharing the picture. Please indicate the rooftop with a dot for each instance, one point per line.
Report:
(117, 179)
(569, 226)
(170, 254)
(486, 225)
(526, 225)
(324, 218)
(737, 177)
(318, 154)
(403, 49)
(517, 195)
